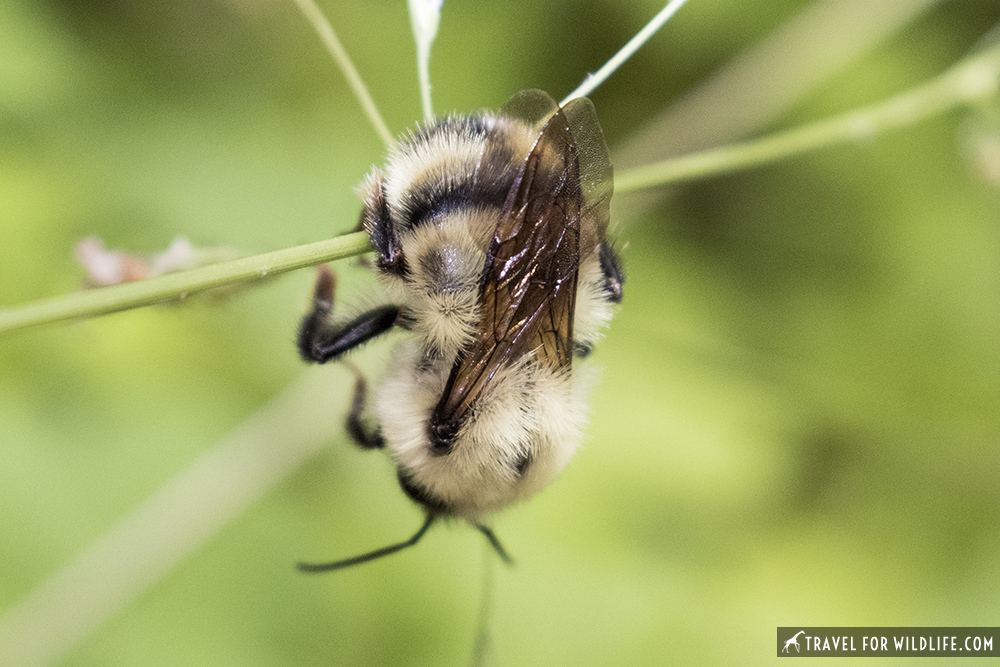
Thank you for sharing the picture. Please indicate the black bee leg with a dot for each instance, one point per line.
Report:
(495, 543)
(371, 555)
(378, 223)
(319, 341)
(614, 275)
(362, 436)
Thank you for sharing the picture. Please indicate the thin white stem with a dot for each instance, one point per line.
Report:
(758, 86)
(594, 80)
(425, 15)
(332, 43)
(423, 72)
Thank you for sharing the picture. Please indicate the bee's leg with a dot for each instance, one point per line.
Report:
(362, 436)
(614, 275)
(375, 220)
(495, 543)
(319, 341)
(371, 555)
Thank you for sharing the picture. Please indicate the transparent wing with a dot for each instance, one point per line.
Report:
(530, 274)
(516, 129)
(597, 178)
(532, 107)
(531, 110)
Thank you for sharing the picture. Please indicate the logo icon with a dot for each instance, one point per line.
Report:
(794, 641)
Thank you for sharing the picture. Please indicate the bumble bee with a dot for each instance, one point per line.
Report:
(490, 235)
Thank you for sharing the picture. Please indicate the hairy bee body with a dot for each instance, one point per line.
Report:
(489, 233)
(526, 426)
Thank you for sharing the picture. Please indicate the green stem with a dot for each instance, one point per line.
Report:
(104, 300)
(971, 80)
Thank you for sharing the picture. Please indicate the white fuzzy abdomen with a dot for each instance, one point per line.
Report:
(522, 432)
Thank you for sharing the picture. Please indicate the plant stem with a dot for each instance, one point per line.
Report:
(180, 285)
(973, 79)
(594, 80)
(328, 36)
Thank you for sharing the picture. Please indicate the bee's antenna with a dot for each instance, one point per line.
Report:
(495, 543)
(384, 551)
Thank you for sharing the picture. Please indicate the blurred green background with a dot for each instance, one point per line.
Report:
(797, 417)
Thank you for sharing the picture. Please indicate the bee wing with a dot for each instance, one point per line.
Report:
(532, 107)
(516, 129)
(530, 275)
(531, 110)
(596, 175)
